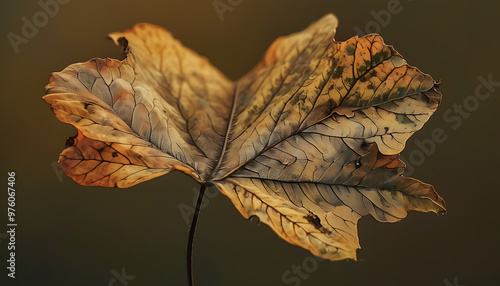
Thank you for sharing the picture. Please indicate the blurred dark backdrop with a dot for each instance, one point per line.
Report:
(74, 235)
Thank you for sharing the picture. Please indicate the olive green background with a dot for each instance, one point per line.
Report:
(74, 235)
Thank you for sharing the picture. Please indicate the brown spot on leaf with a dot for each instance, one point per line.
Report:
(315, 221)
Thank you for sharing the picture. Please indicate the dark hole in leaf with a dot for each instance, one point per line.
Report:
(70, 141)
(124, 43)
(358, 163)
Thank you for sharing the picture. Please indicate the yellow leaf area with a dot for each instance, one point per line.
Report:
(308, 141)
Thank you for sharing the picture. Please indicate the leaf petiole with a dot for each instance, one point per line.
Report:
(191, 235)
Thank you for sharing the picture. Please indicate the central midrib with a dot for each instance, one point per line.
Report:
(226, 135)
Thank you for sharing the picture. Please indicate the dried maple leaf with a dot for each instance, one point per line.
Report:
(308, 141)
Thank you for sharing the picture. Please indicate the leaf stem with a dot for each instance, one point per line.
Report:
(191, 235)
